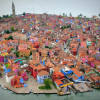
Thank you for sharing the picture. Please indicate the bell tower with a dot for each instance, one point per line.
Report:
(13, 9)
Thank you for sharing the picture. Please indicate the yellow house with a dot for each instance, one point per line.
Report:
(4, 54)
(23, 53)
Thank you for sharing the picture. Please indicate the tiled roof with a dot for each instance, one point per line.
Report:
(75, 71)
(41, 73)
(58, 82)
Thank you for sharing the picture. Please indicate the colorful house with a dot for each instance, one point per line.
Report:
(91, 62)
(34, 70)
(9, 76)
(23, 53)
(49, 65)
(58, 75)
(66, 71)
(77, 76)
(58, 83)
(1, 59)
(42, 75)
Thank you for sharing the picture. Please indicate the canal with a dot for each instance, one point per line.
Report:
(7, 95)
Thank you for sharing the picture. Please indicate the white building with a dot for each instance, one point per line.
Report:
(9, 76)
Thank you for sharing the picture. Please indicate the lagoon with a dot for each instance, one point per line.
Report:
(7, 95)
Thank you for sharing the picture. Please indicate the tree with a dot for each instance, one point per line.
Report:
(12, 29)
(7, 31)
(11, 49)
(81, 15)
(99, 15)
(30, 53)
(0, 17)
(17, 54)
(10, 38)
(47, 82)
(23, 13)
(63, 14)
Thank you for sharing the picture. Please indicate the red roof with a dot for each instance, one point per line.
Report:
(58, 74)
(75, 71)
(41, 73)
(58, 82)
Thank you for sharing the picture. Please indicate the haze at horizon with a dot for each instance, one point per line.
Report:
(85, 7)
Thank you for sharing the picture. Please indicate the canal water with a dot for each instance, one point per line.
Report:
(7, 95)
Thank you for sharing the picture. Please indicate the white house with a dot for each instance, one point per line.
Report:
(9, 76)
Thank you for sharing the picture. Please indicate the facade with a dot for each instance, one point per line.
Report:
(42, 75)
(23, 53)
(9, 76)
(58, 75)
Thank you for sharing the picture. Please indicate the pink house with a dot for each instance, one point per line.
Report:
(1, 59)
(84, 60)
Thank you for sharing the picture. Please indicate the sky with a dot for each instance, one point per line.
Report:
(85, 7)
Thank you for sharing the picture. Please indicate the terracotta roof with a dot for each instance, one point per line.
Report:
(41, 73)
(56, 69)
(50, 64)
(58, 74)
(75, 71)
(74, 77)
(58, 82)
(11, 73)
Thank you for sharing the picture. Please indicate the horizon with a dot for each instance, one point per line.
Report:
(87, 8)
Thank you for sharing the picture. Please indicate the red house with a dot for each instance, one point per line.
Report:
(58, 75)
(1, 59)
(34, 70)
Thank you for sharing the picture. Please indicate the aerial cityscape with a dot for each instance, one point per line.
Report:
(49, 54)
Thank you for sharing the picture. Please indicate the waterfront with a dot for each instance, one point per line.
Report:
(7, 95)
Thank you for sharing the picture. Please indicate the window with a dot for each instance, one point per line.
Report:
(45, 76)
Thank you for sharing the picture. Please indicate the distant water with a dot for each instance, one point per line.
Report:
(7, 95)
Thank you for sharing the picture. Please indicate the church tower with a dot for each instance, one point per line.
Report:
(13, 9)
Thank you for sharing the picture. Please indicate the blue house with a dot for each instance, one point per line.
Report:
(7, 70)
(42, 75)
(77, 76)
(66, 71)
(5, 59)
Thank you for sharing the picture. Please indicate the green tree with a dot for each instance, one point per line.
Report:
(30, 53)
(7, 31)
(99, 15)
(11, 49)
(24, 14)
(81, 15)
(47, 82)
(12, 29)
(17, 54)
(0, 17)
(10, 38)
(63, 14)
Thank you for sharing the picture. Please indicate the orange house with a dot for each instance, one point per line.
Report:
(58, 75)
(23, 53)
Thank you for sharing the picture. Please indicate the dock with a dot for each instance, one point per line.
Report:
(82, 87)
(74, 90)
(33, 87)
